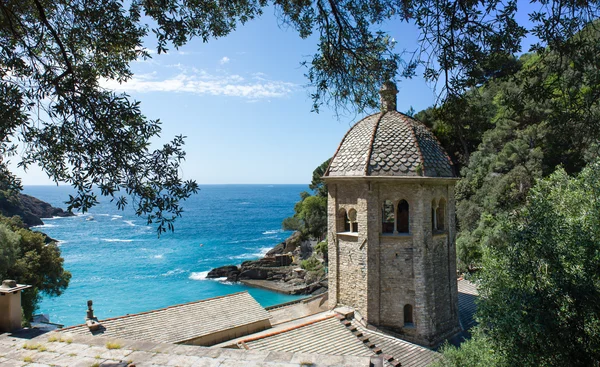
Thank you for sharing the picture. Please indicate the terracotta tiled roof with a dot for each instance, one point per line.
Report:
(323, 336)
(180, 323)
(390, 144)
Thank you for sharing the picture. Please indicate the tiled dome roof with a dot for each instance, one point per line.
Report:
(390, 144)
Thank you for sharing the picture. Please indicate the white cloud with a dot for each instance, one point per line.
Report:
(203, 83)
(224, 60)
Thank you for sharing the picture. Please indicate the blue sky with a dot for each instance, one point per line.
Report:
(243, 105)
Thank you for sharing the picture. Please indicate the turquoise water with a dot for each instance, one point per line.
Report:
(118, 262)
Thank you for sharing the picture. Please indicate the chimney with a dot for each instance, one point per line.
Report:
(90, 320)
(10, 305)
(387, 94)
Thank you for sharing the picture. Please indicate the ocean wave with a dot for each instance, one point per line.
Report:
(115, 240)
(244, 203)
(130, 222)
(198, 275)
(115, 217)
(160, 256)
(53, 218)
(60, 242)
(201, 275)
(45, 225)
(251, 255)
(173, 272)
(273, 231)
(254, 239)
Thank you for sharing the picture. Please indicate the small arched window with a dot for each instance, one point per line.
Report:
(403, 216)
(408, 315)
(441, 215)
(343, 224)
(387, 217)
(353, 221)
(433, 214)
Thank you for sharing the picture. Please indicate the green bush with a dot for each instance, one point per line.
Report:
(310, 264)
(321, 248)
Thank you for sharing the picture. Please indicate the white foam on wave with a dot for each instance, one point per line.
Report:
(244, 203)
(103, 215)
(115, 217)
(115, 240)
(160, 256)
(273, 231)
(173, 272)
(53, 218)
(130, 222)
(201, 275)
(45, 225)
(251, 255)
(61, 242)
(264, 250)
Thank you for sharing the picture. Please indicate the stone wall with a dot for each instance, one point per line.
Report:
(350, 271)
(397, 280)
(378, 274)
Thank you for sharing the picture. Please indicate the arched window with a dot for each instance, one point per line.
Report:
(343, 224)
(353, 222)
(408, 315)
(433, 216)
(403, 216)
(441, 215)
(387, 217)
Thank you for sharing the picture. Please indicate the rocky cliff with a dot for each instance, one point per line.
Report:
(30, 209)
(280, 270)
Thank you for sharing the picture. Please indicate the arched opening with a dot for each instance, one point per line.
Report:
(441, 215)
(353, 222)
(408, 315)
(433, 214)
(387, 217)
(403, 216)
(343, 224)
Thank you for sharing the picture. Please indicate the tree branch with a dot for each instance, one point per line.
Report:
(69, 69)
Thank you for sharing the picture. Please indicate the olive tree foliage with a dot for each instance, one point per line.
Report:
(55, 53)
(25, 257)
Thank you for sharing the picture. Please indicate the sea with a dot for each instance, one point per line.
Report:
(117, 260)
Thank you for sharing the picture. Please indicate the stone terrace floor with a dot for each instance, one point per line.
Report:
(33, 349)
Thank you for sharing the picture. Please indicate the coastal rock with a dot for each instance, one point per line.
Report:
(288, 246)
(30, 209)
(271, 272)
(222, 272)
(254, 273)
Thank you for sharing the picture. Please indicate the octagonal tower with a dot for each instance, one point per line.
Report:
(391, 229)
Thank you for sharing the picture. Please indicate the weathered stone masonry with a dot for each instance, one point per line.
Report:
(402, 281)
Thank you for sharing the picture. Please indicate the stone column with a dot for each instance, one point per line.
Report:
(373, 229)
(422, 307)
(332, 244)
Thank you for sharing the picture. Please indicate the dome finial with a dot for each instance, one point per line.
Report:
(388, 93)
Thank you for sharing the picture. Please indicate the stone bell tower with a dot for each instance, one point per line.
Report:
(391, 229)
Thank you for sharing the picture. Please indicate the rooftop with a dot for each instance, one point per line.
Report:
(75, 350)
(390, 144)
(184, 322)
(325, 335)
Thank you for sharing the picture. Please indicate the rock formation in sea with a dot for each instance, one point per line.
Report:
(280, 269)
(30, 209)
